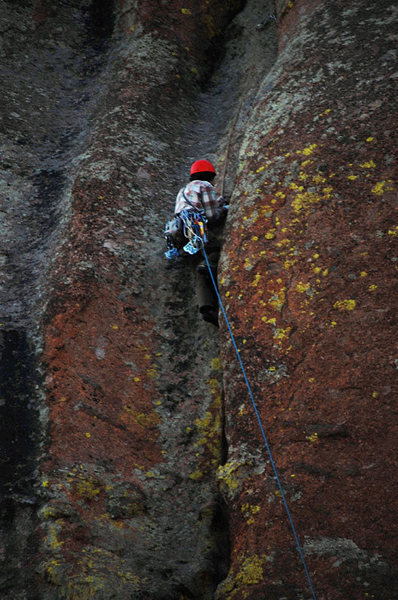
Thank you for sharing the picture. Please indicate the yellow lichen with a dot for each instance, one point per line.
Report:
(216, 364)
(369, 164)
(318, 179)
(302, 287)
(152, 373)
(251, 571)
(131, 417)
(196, 475)
(51, 568)
(304, 201)
(87, 487)
(52, 538)
(290, 262)
(308, 150)
(378, 188)
(278, 298)
(271, 321)
(348, 304)
(294, 186)
(225, 474)
(281, 334)
(256, 280)
(209, 427)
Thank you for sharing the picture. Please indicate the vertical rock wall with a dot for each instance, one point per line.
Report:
(122, 499)
(309, 282)
(119, 477)
(51, 54)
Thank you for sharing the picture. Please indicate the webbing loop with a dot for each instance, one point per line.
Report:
(300, 551)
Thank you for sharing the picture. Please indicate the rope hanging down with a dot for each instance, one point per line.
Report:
(300, 551)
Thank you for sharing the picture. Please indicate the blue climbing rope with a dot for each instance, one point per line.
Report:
(300, 551)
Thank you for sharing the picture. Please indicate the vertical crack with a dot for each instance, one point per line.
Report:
(20, 441)
(100, 22)
(19, 419)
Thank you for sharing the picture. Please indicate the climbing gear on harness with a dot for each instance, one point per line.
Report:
(300, 551)
(202, 166)
(189, 224)
(174, 235)
(195, 229)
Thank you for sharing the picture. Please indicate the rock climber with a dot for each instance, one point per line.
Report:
(200, 194)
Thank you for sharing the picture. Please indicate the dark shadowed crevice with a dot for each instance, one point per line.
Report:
(220, 526)
(20, 441)
(19, 419)
(238, 62)
(222, 544)
(101, 19)
(73, 86)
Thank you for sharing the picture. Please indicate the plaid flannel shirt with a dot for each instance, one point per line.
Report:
(202, 195)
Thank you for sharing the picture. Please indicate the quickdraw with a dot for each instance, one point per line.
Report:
(192, 224)
(195, 229)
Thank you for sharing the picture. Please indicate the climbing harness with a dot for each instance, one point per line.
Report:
(300, 551)
(190, 224)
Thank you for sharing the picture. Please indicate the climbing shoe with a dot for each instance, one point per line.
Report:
(204, 269)
(210, 316)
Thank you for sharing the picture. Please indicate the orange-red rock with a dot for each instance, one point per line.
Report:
(308, 278)
(132, 461)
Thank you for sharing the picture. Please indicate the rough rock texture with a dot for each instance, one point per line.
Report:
(123, 408)
(309, 281)
(132, 465)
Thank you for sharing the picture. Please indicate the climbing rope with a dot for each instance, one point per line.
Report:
(300, 551)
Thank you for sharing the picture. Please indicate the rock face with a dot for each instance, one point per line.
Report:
(308, 278)
(132, 463)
